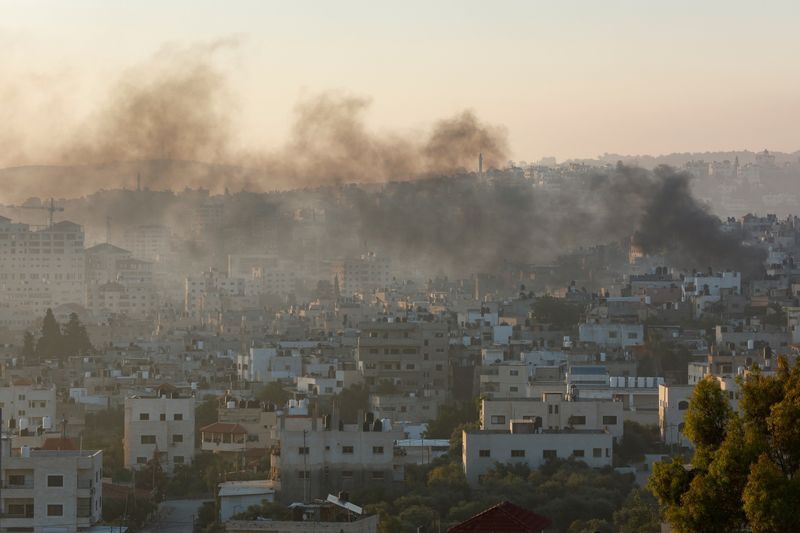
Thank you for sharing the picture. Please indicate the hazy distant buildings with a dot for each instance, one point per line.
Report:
(363, 274)
(39, 268)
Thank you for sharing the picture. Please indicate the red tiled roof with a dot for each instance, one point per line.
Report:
(505, 517)
(222, 427)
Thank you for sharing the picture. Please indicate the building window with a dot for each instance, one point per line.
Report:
(577, 453)
(633, 335)
(683, 405)
(347, 474)
(612, 334)
(141, 460)
(178, 459)
(517, 453)
(577, 420)
(144, 416)
(148, 439)
(177, 416)
(498, 419)
(163, 417)
(609, 420)
(55, 481)
(19, 510)
(549, 454)
(378, 474)
(16, 480)
(84, 508)
(177, 438)
(303, 474)
(55, 509)
(597, 452)
(347, 449)
(484, 453)
(377, 450)
(302, 450)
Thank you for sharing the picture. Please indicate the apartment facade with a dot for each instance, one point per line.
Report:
(523, 443)
(39, 268)
(48, 491)
(411, 355)
(161, 427)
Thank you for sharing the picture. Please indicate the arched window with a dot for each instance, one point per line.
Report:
(683, 405)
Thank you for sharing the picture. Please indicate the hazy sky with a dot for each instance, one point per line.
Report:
(569, 79)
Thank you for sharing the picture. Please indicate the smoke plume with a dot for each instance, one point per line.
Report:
(172, 120)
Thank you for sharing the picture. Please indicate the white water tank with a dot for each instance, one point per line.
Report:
(47, 423)
(750, 344)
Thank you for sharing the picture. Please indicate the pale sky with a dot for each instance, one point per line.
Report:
(567, 79)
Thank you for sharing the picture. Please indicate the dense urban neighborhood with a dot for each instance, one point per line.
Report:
(277, 372)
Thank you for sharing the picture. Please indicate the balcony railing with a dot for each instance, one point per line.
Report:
(11, 486)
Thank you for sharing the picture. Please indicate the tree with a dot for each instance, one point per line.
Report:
(75, 339)
(558, 312)
(706, 420)
(637, 440)
(350, 401)
(274, 393)
(746, 468)
(49, 344)
(451, 416)
(639, 514)
(28, 345)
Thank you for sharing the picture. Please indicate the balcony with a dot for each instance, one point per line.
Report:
(85, 483)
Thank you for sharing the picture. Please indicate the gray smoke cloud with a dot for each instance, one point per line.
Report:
(172, 119)
(472, 224)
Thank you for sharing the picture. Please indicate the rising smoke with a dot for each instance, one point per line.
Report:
(172, 119)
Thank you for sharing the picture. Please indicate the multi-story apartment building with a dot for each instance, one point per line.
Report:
(159, 427)
(325, 458)
(26, 405)
(119, 283)
(363, 274)
(524, 443)
(554, 411)
(205, 292)
(147, 242)
(48, 490)
(411, 355)
(39, 268)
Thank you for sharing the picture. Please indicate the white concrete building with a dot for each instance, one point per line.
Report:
(311, 463)
(27, 406)
(612, 334)
(673, 401)
(47, 491)
(553, 412)
(522, 443)
(236, 496)
(508, 379)
(255, 365)
(161, 426)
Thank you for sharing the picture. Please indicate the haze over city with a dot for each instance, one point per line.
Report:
(367, 267)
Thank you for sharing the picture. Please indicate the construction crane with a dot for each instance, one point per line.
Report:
(50, 207)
